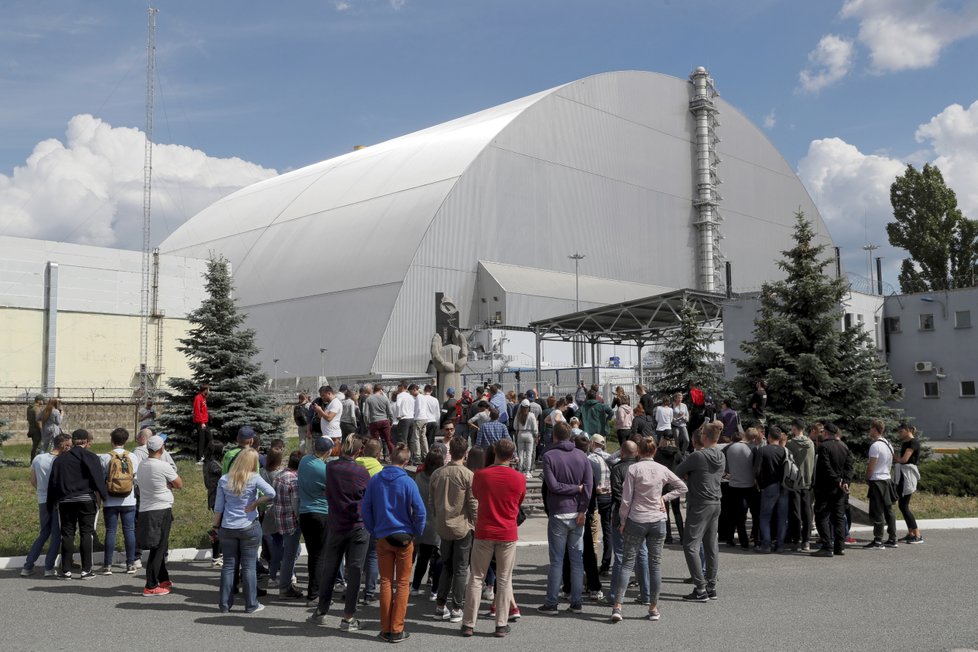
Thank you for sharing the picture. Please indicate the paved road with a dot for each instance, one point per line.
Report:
(913, 598)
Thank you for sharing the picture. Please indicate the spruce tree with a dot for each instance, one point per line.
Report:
(687, 360)
(813, 368)
(219, 352)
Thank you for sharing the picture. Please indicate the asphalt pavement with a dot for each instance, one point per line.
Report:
(919, 597)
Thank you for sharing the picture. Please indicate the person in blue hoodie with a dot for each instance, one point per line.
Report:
(394, 514)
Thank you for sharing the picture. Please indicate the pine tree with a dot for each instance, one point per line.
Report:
(219, 352)
(687, 359)
(813, 369)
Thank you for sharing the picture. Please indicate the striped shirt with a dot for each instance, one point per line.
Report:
(286, 500)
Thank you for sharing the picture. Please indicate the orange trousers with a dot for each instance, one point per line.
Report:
(394, 565)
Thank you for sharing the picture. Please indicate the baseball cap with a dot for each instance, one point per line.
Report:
(245, 433)
(450, 391)
(525, 403)
(344, 387)
(531, 394)
(155, 443)
(599, 440)
(324, 444)
(39, 398)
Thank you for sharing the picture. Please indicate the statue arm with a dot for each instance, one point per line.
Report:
(463, 350)
(436, 356)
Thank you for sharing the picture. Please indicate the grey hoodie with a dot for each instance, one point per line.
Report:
(803, 451)
(703, 471)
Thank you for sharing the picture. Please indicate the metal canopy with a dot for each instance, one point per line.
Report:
(638, 321)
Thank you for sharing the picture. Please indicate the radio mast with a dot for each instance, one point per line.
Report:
(144, 308)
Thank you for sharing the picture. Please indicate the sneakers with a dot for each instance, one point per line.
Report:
(65, 575)
(514, 613)
(260, 607)
(548, 609)
(399, 637)
(488, 593)
(218, 562)
(697, 596)
(456, 616)
(654, 615)
(873, 545)
(50, 573)
(159, 590)
(167, 584)
(891, 544)
(711, 594)
(352, 625)
(290, 593)
(822, 552)
(805, 548)
(87, 575)
(616, 616)
(384, 636)
(26, 572)
(317, 618)
(911, 540)
(850, 540)
(368, 598)
(105, 570)
(597, 596)
(417, 592)
(139, 563)
(130, 569)
(576, 608)
(501, 631)
(441, 613)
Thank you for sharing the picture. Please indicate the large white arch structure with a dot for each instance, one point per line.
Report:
(348, 253)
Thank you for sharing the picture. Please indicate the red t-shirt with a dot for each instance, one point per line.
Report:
(500, 491)
(200, 409)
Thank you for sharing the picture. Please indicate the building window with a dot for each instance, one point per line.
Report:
(892, 324)
(847, 321)
(962, 319)
(927, 322)
(968, 388)
(930, 390)
(860, 319)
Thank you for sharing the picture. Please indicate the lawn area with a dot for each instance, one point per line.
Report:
(19, 517)
(925, 505)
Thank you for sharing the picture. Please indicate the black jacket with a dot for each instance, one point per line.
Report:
(833, 466)
(769, 465)
(75, 472)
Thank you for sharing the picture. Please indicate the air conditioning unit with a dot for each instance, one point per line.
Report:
(921, 367)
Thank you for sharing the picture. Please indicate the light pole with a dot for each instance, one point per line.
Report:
(869, 249)
(322, 367)
(577, 257)
(275, 372)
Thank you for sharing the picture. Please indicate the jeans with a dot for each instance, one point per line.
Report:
(370, 570)
(240, 547)
(353, 546)
(455, 570)
(428, 559)
(128, 517)
(637, 536)
(50, 529)
(313, 526)
(284, 557)
(774, 504)
(563, 533)
(830, 517)
(641, 566)
(395, 569)
(881, 510)
(681, 435)
(482, 553)
(81, 516)
(526, 450)
(700, 538)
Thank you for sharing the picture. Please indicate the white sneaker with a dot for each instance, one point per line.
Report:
(417, 592)
(200, 462)
(50, 573)
(105, 570)
(218, 562)
(442, 613)
(26, 572)
(456, 616)
(488, 593)
(139, 563)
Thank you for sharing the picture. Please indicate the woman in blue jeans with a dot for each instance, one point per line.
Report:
(236, 514)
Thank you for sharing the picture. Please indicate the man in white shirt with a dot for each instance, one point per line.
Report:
(663, 419)
(50, 523)
(330, 417)
(406, 408)
(119, 507)
(426, 416)
(880, 494)
(156, 482)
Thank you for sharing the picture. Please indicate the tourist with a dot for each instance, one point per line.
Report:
(601, 473)
(370, 460)
(906, 477)
(802, 450)
(51, 418)
(34, 425)
(527, 436)
(643, 423)
(833, 474)
(379, 416)
(663, 419)
(240, 493)
(624, 417)
(405, 410)
(491, 431)
(742, 491)
(394, 514)
(769, 464)
(212, 475)
(680, 419)
(75, 483)
(313, 509)
(881, 494)
(731, 422)
(50, 522)
(429, 414)
(427, 557)
(595, 415)
(120, 504)
(300, 416)
(156, 481)
(641, 517)
(200, 420)
(350, 418)
(284, 513)
(497, 400)
(628, 457)
(330, 415)
(500, 491)
(453, 510)
(669, 455)
(146, 416)
(758, 402)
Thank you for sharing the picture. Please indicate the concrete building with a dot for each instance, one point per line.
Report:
(624, 167)
(70, 318)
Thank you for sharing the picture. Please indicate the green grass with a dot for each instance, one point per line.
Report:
(926, 505)
(19, 522)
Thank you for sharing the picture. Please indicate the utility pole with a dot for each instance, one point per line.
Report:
(577, 258)
(869, 249)
(147, 205)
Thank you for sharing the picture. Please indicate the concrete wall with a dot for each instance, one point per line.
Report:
(950, 349)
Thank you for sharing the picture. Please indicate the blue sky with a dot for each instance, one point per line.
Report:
(841, 87)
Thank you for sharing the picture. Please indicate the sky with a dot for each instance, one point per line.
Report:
(850, 92)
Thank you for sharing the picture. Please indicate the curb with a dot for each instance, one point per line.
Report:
(204, 554)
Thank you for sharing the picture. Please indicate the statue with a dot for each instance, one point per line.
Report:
(449, 348)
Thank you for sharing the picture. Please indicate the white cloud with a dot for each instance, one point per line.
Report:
(909, 34)
(770, 120)
(829, 62)
(397, 4)
(852, 189)
(89, 189)
(341, 5)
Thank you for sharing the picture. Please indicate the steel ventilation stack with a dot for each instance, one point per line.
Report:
(709, 260)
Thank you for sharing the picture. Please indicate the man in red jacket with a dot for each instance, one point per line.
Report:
(200, 423)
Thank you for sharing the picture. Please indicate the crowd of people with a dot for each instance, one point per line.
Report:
(378, 531)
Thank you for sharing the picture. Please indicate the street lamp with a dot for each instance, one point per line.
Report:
(275, 372)
(322, 367)
(577, 258)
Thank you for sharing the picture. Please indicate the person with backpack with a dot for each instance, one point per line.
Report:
(120, 505)
(882, 492)
(769, 472)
